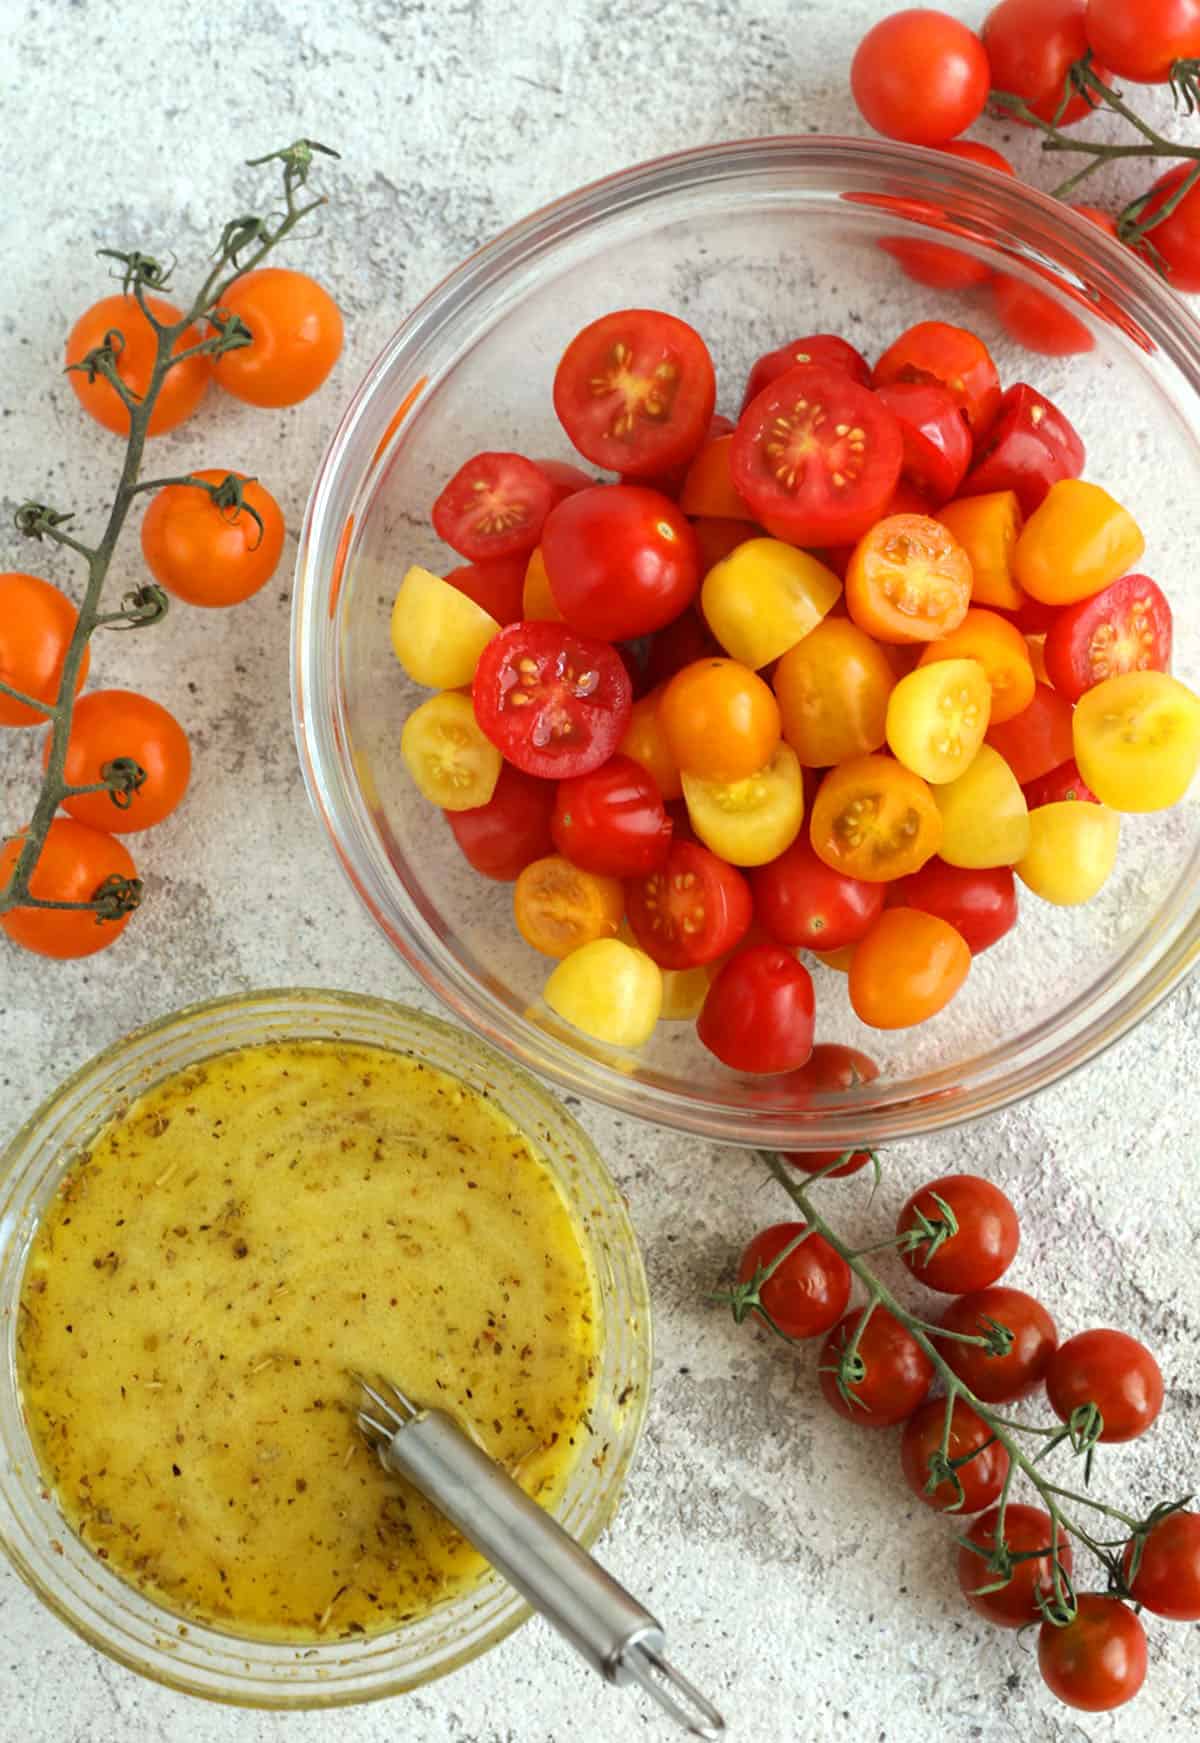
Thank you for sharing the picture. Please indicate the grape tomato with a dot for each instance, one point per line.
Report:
(438, 633)
(721, 721)
(1039, 738)
(1078, 541)
(497, 586)
(611, 820)
(907, 968)
(1063, 783)
(709, 489)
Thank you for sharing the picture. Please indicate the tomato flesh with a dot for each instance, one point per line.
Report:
(622, 561)
(937, 442)
(494, 506)
(909, 580)
(691, 911)
(758, 1015)
(950, 357)
(1125, 628)
(875, 820)
(612, 821)
(635, 392)
(554, 703)
(1029, 446)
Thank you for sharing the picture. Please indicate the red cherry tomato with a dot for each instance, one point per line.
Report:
(554, 703)
(823, 348)
(1031, 45)
(897, 1372)
(808, 1291)
(680, 644)
(1165, 1575)
(937, 442)
(612, 821)
(1177, 237)
(831, 1070)
(691, 911)
(984, 1244)
(758, 1013)
(1063, 783)
(920, 76)
(1038, 739)
(1142, 39)
(494, 506)
(512, 830)
(622, 561)
(1028, 447)
(1112, 1371)
(934, 264)
(994, 1378)
(498, 586)
(980, 1480)
(1125, 628)
(565, 479)
(804, 481)
(1098, 1660)
(980, 905)
(1025, 1529)
(635, 391)
(950, 357)
(798, 900)
(974, 151)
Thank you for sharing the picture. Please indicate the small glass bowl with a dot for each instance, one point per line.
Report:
(755, 243)
(200, 1660)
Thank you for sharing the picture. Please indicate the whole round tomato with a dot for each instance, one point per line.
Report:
(808, 1290)
(1112, 1371)
(205, 549)
(1126, 628)
(1165, 1575)
(554, 703)
(135, 344)
(296, 337)
(1177, 237)
(1143, 40)
(984, 1244)
(824, 348)
(997, 1379)
(1015, 1604)
(981, 905)
(833, 689)
(511, 830)
(980, 1478)
(1029, 446)
(799, 900)
(494, 507)
(721, 720)
(497, 586)
(622, 561)
(907, 968)
(921, 76)
(951, 357)
(37, 622)
(635, 392)
(895, 1371)
(692, 911)
(831, 1070)
(874, 819)
(74, 866)
(758, 1014)
(109, 725)
(937, 442)
(1098, 1660)
(1031, 46)
(612, 821)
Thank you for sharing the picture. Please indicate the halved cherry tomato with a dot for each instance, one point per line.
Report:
(1061, 784)
(988, 527)
(979, 1480)
(1029, 447)
(981, 905)
(111, 724)
(909, 580)
(717, 536)
(607, 990)
(708, 488)
(537, 601)
(692, 911)
(1079, 541)
(1137, 740)
(445, 751)
(951, 357)
(497, 586)
(721, 720)
(1072, 851)
(937, 717)
(74, 865)
(758, 1016)
(1038, 739)
(823, 348)
(565, 479)
(612, 821)
(874, 819)
(1126, 628)
(635, 391)
(999, 647)
(438, 633)
(907, 968)
(817, 457)
(494, 506)
(897, 1372)
(37, 621)
(681, 644)
(937, 442)
(555, 703)
(985, 820)
(764, 598)
(798, 900)
(512, 830)
(833, 689)
(752, 820)
(558, 908)
(183, 387)
(622, 560)
(646, 743)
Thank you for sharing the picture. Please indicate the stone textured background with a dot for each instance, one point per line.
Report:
(800, 1583)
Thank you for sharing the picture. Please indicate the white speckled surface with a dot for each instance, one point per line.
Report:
(800, 1583)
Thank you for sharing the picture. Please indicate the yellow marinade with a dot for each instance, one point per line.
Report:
(243, 1235)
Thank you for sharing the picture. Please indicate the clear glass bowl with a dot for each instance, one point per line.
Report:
(755, 243)
(204, 1661)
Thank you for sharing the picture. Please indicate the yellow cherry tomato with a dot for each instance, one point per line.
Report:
(537, 601)
(684, 992)
(751, 821)
(1137, 740)
(645, 743)
(937, 716)
(987, 528)
(1000, 649)
(721, 720)
(833, 689)
(608, 990)
(985, 820)
(1079, 540)
(764, 597)
(1072, 851)
(438, 633)
(558, 908)
(874, 819)
(453, 764)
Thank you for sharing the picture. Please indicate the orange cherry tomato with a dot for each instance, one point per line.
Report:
(909, 580)
(1036, 645)
(537, 601)
(709, 489)
(987, 528)
(558, 908)
(182, 387)
(907, 968)
(645, 743)
(1077, 542)
(833, 689)
(717, 536)
(74, 864)
(874, 819)
(296, 330)
(721, 720)
(950, 356)
(208, 554)
(37, 622)
(112, 724)
(1000, 649)
(1038, 739)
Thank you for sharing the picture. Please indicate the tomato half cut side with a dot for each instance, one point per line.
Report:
(1125, 628)
(635, 392)
(494, 506)
(909, 580)
(951, 357)
(1030, 446)
(874, 819)
(937, 442)
(692, 911)
(817, 457)
(554, 703)
(823, 348)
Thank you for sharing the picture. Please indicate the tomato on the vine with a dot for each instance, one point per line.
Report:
(937, 442)
(1163, 1568)
(1036, 319)
(74, 866)
(907, 968)
(108, 725)
(296, 337)
(995, 1378)
(135, 345)
(1177, 236)
(758, 1015)
(37, 622)
(493, 507)
(951, 357)
(1114, 1372)
(1026, 1529)
(1031, 46)
(1098, 1660)
(920, 76)
(982, 1247)
(799, 900)
(555, 703)
(635, 392)
(205, 549)
(808, 1290)
(612, 821)
(896, 1371)
(1143, 41)
(510, 831)
(1125, 628)
(979, 902)
(622, 560)
(1028, 447)
(980, 1479)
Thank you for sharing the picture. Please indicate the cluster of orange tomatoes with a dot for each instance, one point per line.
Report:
(208, 547)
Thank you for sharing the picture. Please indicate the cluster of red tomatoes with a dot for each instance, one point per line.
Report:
(824, 678)
(204, 548)
(1098, 1660)
(923, 77)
